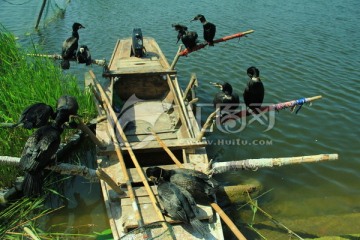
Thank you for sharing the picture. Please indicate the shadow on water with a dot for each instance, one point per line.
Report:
(82, 208)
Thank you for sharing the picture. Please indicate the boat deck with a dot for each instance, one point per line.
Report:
(146, 96)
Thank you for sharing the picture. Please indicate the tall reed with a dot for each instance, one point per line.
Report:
(23, 81)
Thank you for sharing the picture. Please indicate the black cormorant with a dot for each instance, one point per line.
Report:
(254, 90)
(83, 55)
(180, 205)
(209, 29)
(35, 116)
(39, 152)
(201, 186)
(66, 105)
(226, 97)
(70, 46)
(189, 39)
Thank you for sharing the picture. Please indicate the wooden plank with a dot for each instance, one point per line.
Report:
(137, 71)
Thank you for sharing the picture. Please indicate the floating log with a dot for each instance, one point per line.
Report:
(59, 57)
(253, 164)
(186, 51)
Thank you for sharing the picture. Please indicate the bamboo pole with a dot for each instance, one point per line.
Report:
(214, 205)
(85, 129)
(70, 169)
(176, 58)
(131, 191)
(221, 167)
(59, 57)
(206, 125)
(192, 81)
(40, 14)
(101, 174)
(186, 51)
(113, 116)
(169, 152)
(273, 107)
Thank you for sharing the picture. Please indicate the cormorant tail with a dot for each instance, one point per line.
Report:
(32, 185)
(199, 227)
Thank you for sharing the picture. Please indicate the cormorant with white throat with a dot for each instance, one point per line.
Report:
(226, 98)
(70, 46)
(209, 29)
(254, 91)
(83, 55)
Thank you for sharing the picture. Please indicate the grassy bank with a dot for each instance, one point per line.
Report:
(23, 81)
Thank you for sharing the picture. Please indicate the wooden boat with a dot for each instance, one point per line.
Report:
(140, 96)
(145, 94)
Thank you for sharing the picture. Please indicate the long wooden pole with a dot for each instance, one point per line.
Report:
(186, 51)
(214, 205)
(221, 167)
(275, 107)
(206, 125)
(112, 114)
(131, 191)
(59, 57)
(190, 85)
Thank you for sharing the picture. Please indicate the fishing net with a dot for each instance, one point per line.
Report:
(155, 230)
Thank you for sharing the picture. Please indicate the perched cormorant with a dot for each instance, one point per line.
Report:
(83, 55)
(70, 46)
(180, 205)
(209, 29)
(189, 39)
(200, 185)
(226, 96)
(35, 116)
(39, 152)
(254, 90)
(66, 105)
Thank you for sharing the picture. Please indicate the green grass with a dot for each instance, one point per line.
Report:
(23, 81)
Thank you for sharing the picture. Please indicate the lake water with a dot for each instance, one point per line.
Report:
(302, 48)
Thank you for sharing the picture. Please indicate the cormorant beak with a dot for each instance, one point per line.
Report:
(153, 179)
(216, 84)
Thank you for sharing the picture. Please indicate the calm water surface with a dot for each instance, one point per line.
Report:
(302, 48)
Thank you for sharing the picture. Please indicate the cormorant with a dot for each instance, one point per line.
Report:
(180, 205)
(83, 55)
(209, 29)
(70, 46)
(35, 116)
(66, 105)
(200, 185)
(226, 96)
(189, 39)
(254, 90)
(39, 152)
